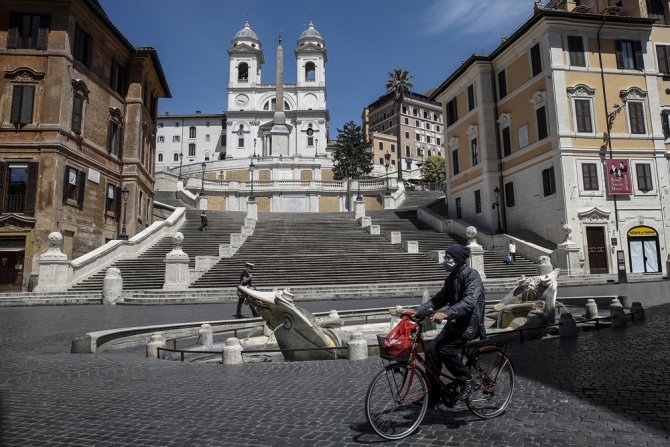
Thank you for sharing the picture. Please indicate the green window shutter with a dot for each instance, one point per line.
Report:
(27, 104)
(31, 188)
(82, 185)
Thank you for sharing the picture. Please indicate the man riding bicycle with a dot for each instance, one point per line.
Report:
(463, 291)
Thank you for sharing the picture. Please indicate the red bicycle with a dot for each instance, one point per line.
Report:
(397, 399)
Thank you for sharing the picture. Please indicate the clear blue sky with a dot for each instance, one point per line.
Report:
(365, 40)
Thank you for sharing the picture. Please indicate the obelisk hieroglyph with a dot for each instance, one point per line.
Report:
(280, 130)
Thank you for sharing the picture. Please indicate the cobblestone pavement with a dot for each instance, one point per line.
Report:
(604, 388)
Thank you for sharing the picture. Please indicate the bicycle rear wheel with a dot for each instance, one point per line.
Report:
(396, 401)
(493, 376)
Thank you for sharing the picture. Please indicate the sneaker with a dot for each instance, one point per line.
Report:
(465, 388)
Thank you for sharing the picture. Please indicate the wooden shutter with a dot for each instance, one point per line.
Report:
(77, 109)
(117, 202)
(664, 120)
(619, 54)
(639, 57)
(27, 104)
(662, 59)
(3, 192)
(31, 189)
(43, 33)
(17, 94)
(66, 180)
(13, 31)
(81, 185)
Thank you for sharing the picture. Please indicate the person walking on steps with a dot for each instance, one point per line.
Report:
(203, 220)
(511, 247)
(463, 292)
(246, 279)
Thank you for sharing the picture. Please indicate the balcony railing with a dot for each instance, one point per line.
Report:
(16, 203)
(289, 185)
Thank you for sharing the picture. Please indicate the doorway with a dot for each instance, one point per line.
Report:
(643, 250)
(595, 239)
(11, 269)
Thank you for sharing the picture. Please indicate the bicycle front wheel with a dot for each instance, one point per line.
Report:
(493, 376)
(396, 401)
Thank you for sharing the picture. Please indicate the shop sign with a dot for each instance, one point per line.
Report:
(642, 232)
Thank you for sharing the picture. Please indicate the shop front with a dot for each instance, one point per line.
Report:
(644, 250)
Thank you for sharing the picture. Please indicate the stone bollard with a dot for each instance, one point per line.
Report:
(373, 229)
(591, 309)
(411, 246)
(568, 325)
(615, 302)
(365, 221)
(625, 301)
(156, 341)
(112, 286)
(206, 336)
(333, 314)
(396, 237)
(637, 310)
(177, 275)
(232, 352)
(618, 315)
(358, 347)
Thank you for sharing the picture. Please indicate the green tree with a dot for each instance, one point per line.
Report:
(351, 158)
(434, 170)
(400, 83)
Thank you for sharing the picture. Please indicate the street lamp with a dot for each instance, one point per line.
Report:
(496, 205)
(181, 155)
(124, 193)
(358, 181)
(251, 175)
(254, 147)
(387, 157)
(202, 181)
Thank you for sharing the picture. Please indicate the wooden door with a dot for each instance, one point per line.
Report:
(595, 239)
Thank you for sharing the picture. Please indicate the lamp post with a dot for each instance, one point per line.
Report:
(181, 155)
(251, 175)
(254, 147)
(202, 181)
(387, 158)
(358, 181)
(496, 206)
(124, 193)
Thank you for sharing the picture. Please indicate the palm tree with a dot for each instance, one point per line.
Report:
(400, 83)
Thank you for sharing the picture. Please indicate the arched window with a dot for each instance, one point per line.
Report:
(310, 72)
(243, 72)
(160, 157)
(272, 105)
(191, 132)
(206, 156)
(408, 152)
(175, 157)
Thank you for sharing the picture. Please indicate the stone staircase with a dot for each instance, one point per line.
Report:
(300, 249)
(147, 271)
(169, 198)
(405, 220)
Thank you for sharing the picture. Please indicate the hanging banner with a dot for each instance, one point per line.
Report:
(618, 177)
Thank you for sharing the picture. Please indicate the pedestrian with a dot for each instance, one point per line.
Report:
(246, 280)
(511, 247)
(203, 220)
(463, 292)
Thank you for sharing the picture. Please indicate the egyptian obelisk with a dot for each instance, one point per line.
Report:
(280, 131)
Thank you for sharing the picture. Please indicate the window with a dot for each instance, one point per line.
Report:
(404, 109)
(471, 97)
(417, 123)
(428, 139)
(175, 157)
(629, 54)
(114, 138)
(161, 138)
(310, 72)
(73, 186)
(191, 150)
(426, 115)
(310, 141)
(452, 112)
(415, 112)
(509, 195)
(454, 162)
(176, 124)
(77, 112)
(206, 123)
(117, 79)
(583, 115)
(82, 46)
(240, 142)
(160, 157)
(474, 152)
(541, 116)
(644, 181)
(437, 128)
(478, 201)
(18, 187)
(113, 200)
(662, 54)
(506, 142)
(548, 182)
(576, 51)
(175, 139)
(665, 120)
(408, 152)
(207, 156)
(22, 104)
(438, 141)
(502, 84)
(590, 177)
(381, 145)
(459, 210)
(406, 120)
(29, 31)
(535, 60)
(636, 117)
(192, 132)
(407, 135)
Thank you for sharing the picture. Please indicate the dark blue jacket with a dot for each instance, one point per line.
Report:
(463, 291)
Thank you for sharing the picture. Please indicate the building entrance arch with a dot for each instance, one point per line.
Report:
(644, 253)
